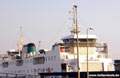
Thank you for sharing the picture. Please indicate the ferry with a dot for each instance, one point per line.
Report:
(76, 53)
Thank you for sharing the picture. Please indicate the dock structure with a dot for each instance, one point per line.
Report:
(105, 74)
(11, 75)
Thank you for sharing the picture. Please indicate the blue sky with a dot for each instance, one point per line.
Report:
(48, 21)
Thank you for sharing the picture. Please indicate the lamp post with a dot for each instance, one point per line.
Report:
(87, 50)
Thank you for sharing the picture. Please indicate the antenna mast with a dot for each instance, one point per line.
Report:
(76, 31)
(75, 27)
(20, 44)
(39, 45)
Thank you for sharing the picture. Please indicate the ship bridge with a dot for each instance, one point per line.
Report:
(70, 43)
(74, 36)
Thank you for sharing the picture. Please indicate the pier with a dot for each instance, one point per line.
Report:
(110, 74)
(9, 75)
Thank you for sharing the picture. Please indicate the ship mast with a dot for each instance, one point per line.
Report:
(20, 44)
(39, 45)
(75, 26)
(76, 31)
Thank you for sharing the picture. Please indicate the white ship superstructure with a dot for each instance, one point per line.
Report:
(62, 57)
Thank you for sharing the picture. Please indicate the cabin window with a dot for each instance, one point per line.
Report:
(64, 67)
(48, 58)
(26, 61)
(51, 57)
(5, 64)
(31, 70)
(23, 70)
(83, 40)
(51, 69)
(0, 65)
(31, 60)
(39, 60)
(45, 58)
(54, 57)
(27, 70)
(10, 63)
(66, 40)
(19, 62)
(46, 69)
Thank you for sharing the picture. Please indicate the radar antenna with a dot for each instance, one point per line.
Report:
(73, 31)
